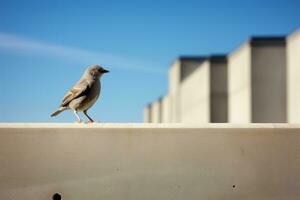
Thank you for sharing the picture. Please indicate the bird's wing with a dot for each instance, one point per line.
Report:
(78, 90)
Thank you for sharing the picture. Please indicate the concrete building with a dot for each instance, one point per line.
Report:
(218, 89)
(197, 92)
(158, 111)
(179, 71)
(257, 81)
(259, 85)
(293, 64)
(203, 93)
(147, 114)
(166, 109)
(156, 114)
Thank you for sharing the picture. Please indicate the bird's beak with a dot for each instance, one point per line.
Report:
(105, 71)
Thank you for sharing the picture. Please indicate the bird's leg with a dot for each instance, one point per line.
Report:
(78, 118)
(90, 119)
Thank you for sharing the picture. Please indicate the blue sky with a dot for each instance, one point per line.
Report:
(46, 45)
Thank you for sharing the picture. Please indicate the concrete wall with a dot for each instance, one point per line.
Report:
(166, 109)
(195, 98)
(147, 114)
(239, 85)
(218, 89)
(268, 81)
(293, 64)
(162, 162)
(156, 114)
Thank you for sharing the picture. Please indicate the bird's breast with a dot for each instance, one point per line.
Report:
(91, 97)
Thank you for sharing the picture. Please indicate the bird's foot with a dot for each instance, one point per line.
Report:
(90, 122)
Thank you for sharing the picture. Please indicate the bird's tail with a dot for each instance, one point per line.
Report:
(59, 110)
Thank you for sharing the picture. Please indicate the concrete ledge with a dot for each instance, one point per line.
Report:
(149, 161)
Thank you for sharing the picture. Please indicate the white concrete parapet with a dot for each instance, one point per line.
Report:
(149, 161)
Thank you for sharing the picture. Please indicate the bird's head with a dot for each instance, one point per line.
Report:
(95, 71)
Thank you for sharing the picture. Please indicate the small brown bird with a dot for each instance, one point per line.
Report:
(84, 93)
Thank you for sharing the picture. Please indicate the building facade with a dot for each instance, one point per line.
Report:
(256, 83)
(293, 64)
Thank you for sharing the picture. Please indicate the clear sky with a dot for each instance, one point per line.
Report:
(46, 45)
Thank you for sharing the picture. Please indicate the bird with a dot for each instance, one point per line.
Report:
(84, 93)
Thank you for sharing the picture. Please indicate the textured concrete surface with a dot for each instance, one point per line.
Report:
(293, 64)
(149, 161)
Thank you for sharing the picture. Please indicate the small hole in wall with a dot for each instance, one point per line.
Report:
(56, 196)
(233, 186)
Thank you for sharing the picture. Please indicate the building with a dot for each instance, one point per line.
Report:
(257, 81)
(156, 113)
(166, 109)
(147, 113)
(293, 64)
(197, 92)
(203, 94)
(180, 70)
